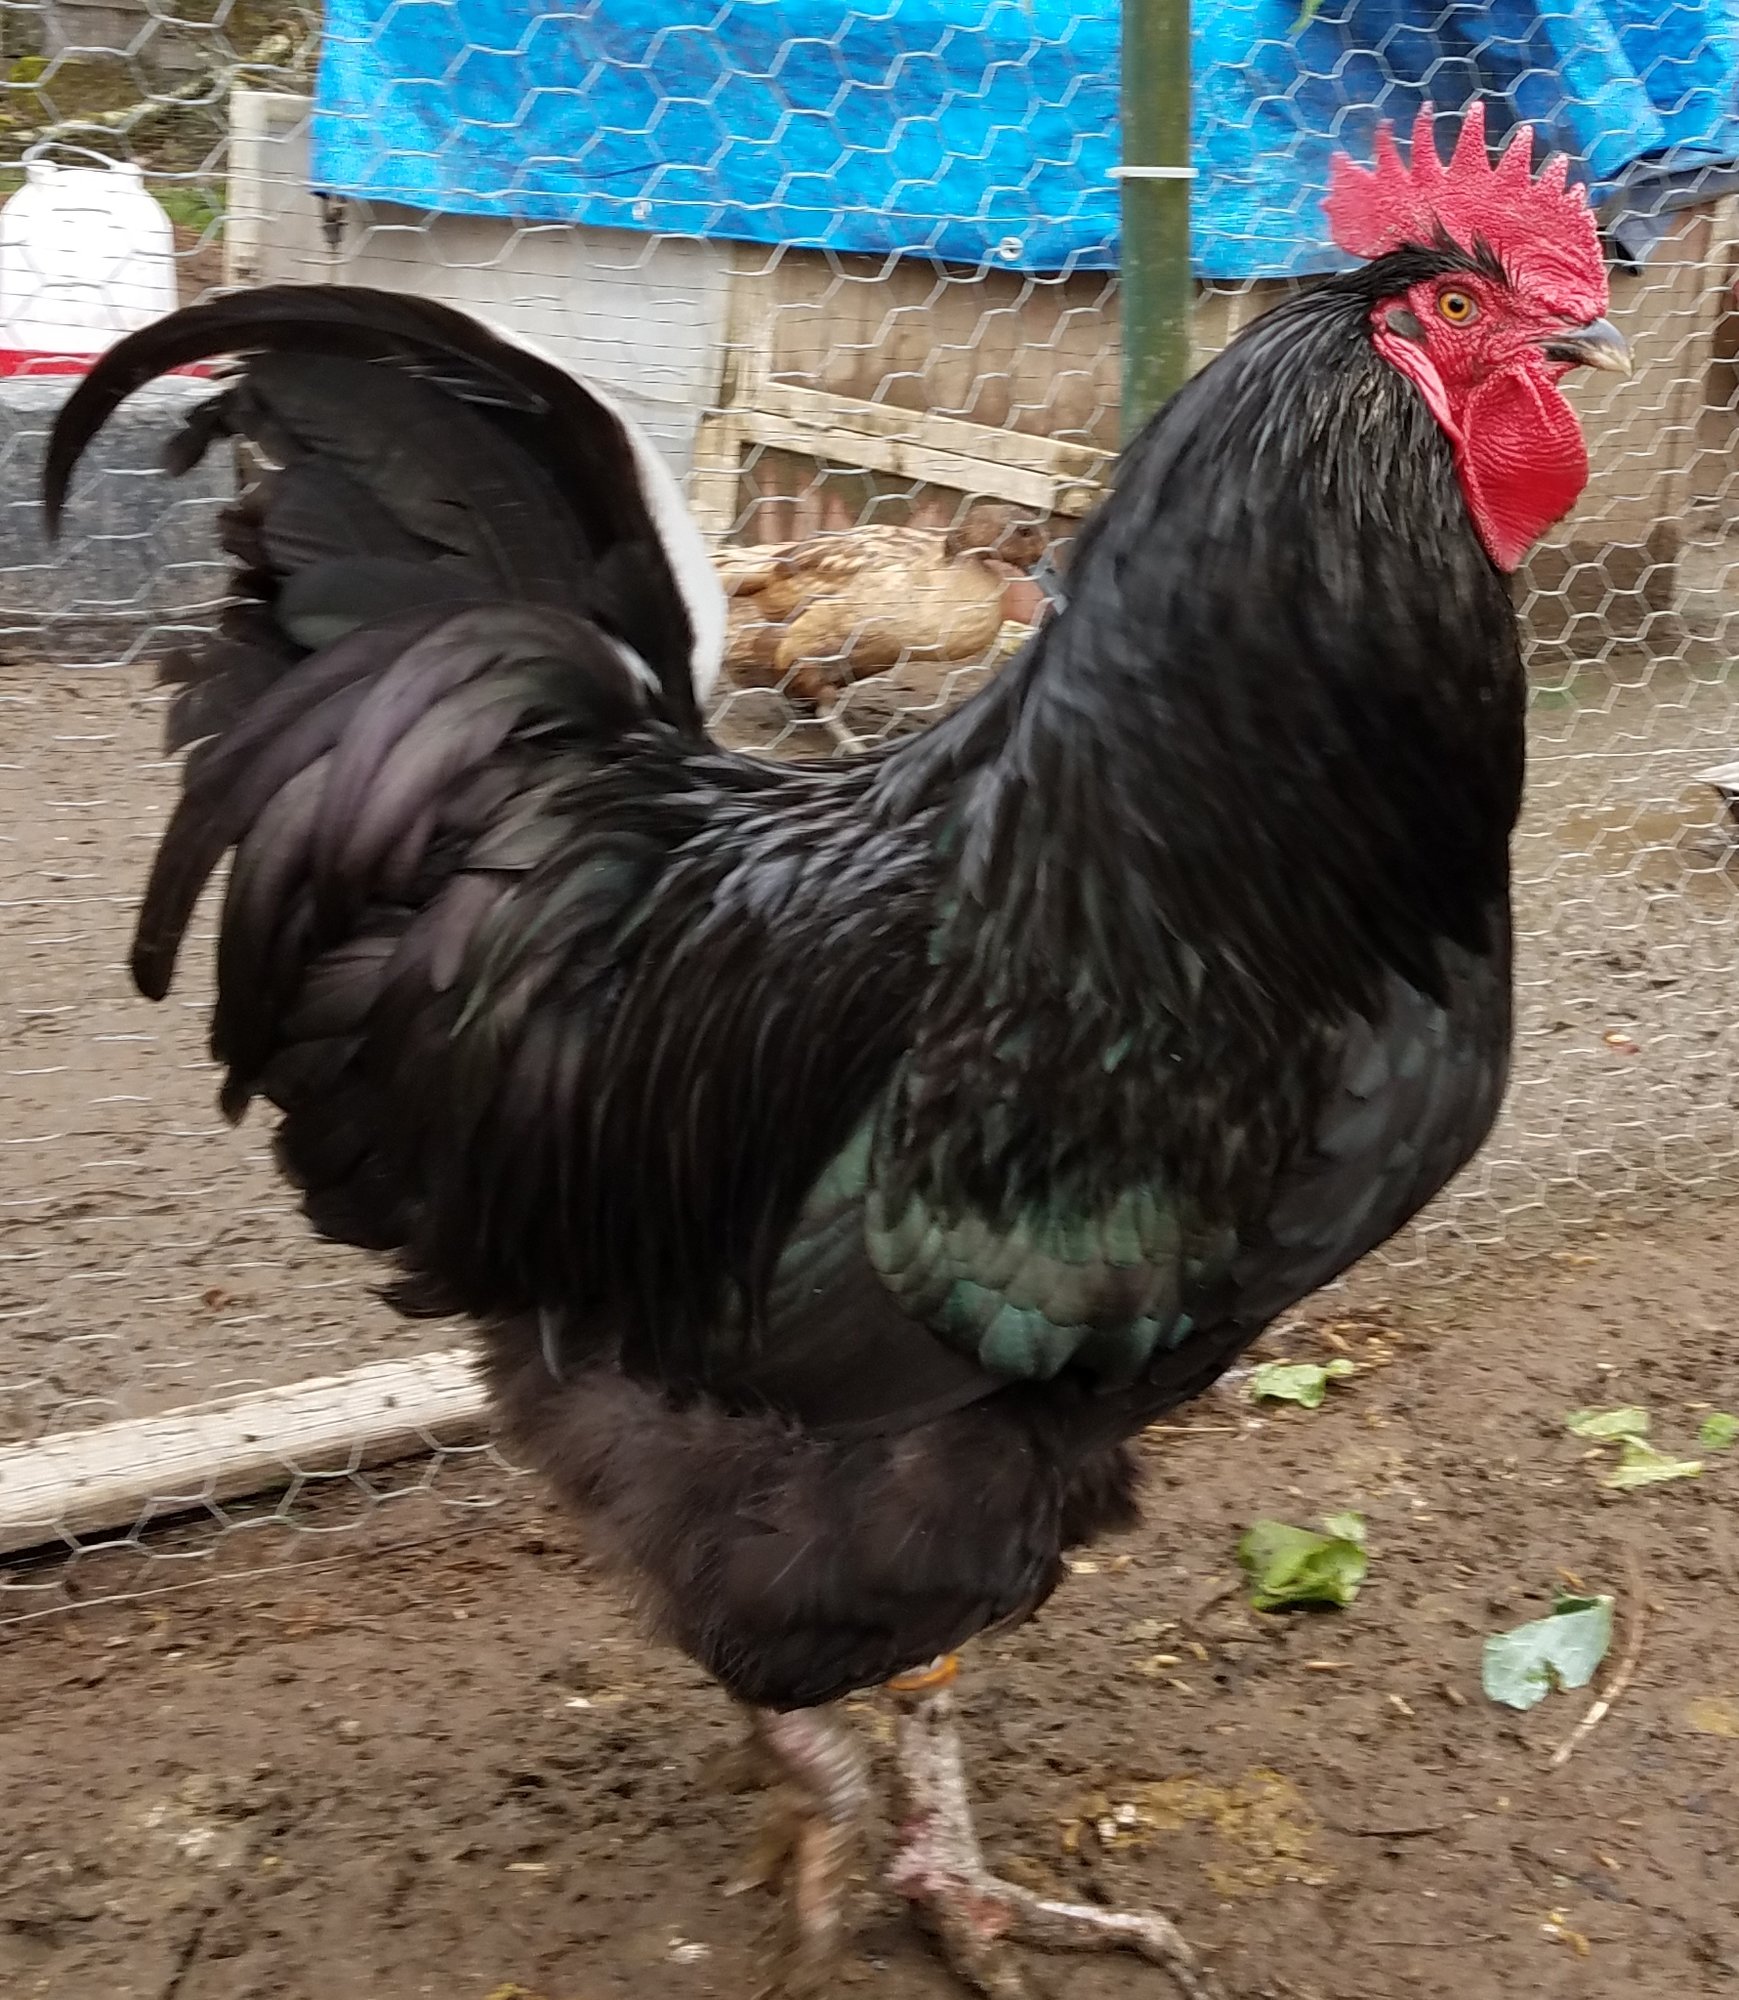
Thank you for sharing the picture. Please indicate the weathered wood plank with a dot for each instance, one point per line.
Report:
(1059, 459)
(911, 454)
(148, 1468)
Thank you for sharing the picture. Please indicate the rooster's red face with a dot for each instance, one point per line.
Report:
(1516, 299)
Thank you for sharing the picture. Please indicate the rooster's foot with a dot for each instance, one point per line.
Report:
(939, 1867)
(809, 1843)
(976, 1918)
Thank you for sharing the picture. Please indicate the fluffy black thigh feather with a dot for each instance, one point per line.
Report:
(798, 1568)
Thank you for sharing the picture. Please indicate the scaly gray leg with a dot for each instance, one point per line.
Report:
(939, 1867)
(810, 1840)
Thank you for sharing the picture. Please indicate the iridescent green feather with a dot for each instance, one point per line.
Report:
(1024, 1297)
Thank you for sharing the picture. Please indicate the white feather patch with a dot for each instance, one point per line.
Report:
(636, 665)
(685, 549)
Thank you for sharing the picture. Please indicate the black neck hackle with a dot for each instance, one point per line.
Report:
(1286, 657)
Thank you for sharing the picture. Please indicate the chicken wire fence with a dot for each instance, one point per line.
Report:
(803, 391)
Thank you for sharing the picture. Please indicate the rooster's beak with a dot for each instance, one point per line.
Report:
(1599, 344)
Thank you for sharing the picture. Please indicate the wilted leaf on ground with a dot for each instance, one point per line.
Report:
(1641, 1465)
(1255, 1833)
(1303, 1382)
(1603, 1425)
(1710, 1715)
(1521, 1667)
(1288, 1565)
(1718, 1431)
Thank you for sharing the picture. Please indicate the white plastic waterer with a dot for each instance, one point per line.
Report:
(86, 254)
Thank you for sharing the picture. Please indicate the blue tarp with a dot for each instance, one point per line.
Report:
(984, 131)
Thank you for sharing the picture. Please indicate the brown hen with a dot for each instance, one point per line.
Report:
(813, 617)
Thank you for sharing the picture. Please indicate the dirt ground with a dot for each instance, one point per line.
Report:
(392, 1737)
(151, 1257)
(428, 1757)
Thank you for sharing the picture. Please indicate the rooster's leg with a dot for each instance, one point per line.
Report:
(810, 1839)
(940, 1868)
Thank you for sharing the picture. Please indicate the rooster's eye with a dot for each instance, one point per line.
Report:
(1456, 307)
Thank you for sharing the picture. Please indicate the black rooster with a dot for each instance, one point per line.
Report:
(844, 1161)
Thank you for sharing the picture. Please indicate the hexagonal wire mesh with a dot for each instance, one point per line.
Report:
(804, 390)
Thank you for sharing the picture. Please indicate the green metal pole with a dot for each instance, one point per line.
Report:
(1156, 206)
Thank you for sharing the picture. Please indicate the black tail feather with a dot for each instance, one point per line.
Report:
(295, 721)
(401, 432)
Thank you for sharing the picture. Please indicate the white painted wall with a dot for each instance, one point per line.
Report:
(642, 315)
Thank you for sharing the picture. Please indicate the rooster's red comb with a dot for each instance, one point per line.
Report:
(1538, 226)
